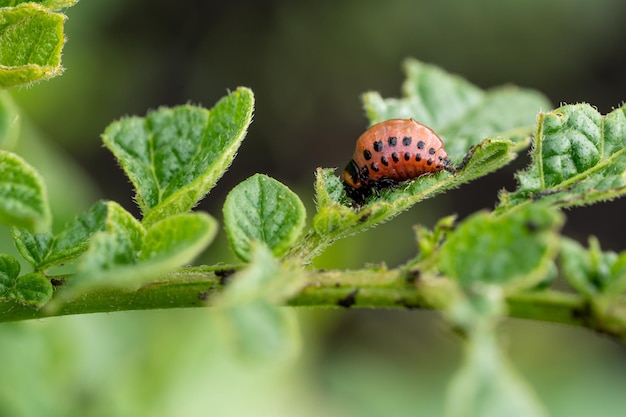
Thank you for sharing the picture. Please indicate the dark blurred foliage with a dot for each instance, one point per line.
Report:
(308, 62)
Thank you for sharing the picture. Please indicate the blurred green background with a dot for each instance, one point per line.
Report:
(307, 62)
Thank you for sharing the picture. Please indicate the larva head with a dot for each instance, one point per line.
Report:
(351, 175)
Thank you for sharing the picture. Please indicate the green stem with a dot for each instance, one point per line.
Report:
(196, 287)
(190, 292)
(309, 246)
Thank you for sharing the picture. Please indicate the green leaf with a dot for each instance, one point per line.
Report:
(484, 158)
(32, 289)
(262, 209)
(579, 158)
(175, 156)
(617, 284)
(263, 279)
(514, 250)
(601, 278)
(576, 268)
(50, 4)
(114, 248)
(429, 241)
(177, 240)
(73, 240)
(332, 216)
(31, 39)
(118, 244)
(259, 332)
(9, 270)
(23, 197)
(247, 312)
(9, 122)
(486, 384)
(593, 272)
(42, 250)
(127, 256)
(462, 114)
(121, 229)
(34, 247)
(328, 188)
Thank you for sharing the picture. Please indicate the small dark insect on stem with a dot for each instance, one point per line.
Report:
(57, 282)
(349, 300)
(413, 276)
(224, 275)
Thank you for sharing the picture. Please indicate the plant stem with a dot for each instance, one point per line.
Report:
(192, 292)
(382, 288)
(309, 246)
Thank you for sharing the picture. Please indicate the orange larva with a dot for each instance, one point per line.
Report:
(390, 152)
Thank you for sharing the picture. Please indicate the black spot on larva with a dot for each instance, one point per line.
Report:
(378, 145)
(431, 151)
(446, 161)
(407, 156)
(395, 157)
(418, 157)
(367, 155)
(384, 161)
(349, 300)
(406, 141)
(374, 166)
(440, 158)
(392, 141)
(430, 161)
(57, 282)
(420, 144)
(365, 172)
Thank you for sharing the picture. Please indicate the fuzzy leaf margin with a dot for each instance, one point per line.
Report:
(23, 195)
(174, 156)
(579, 158)
(31, 40)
